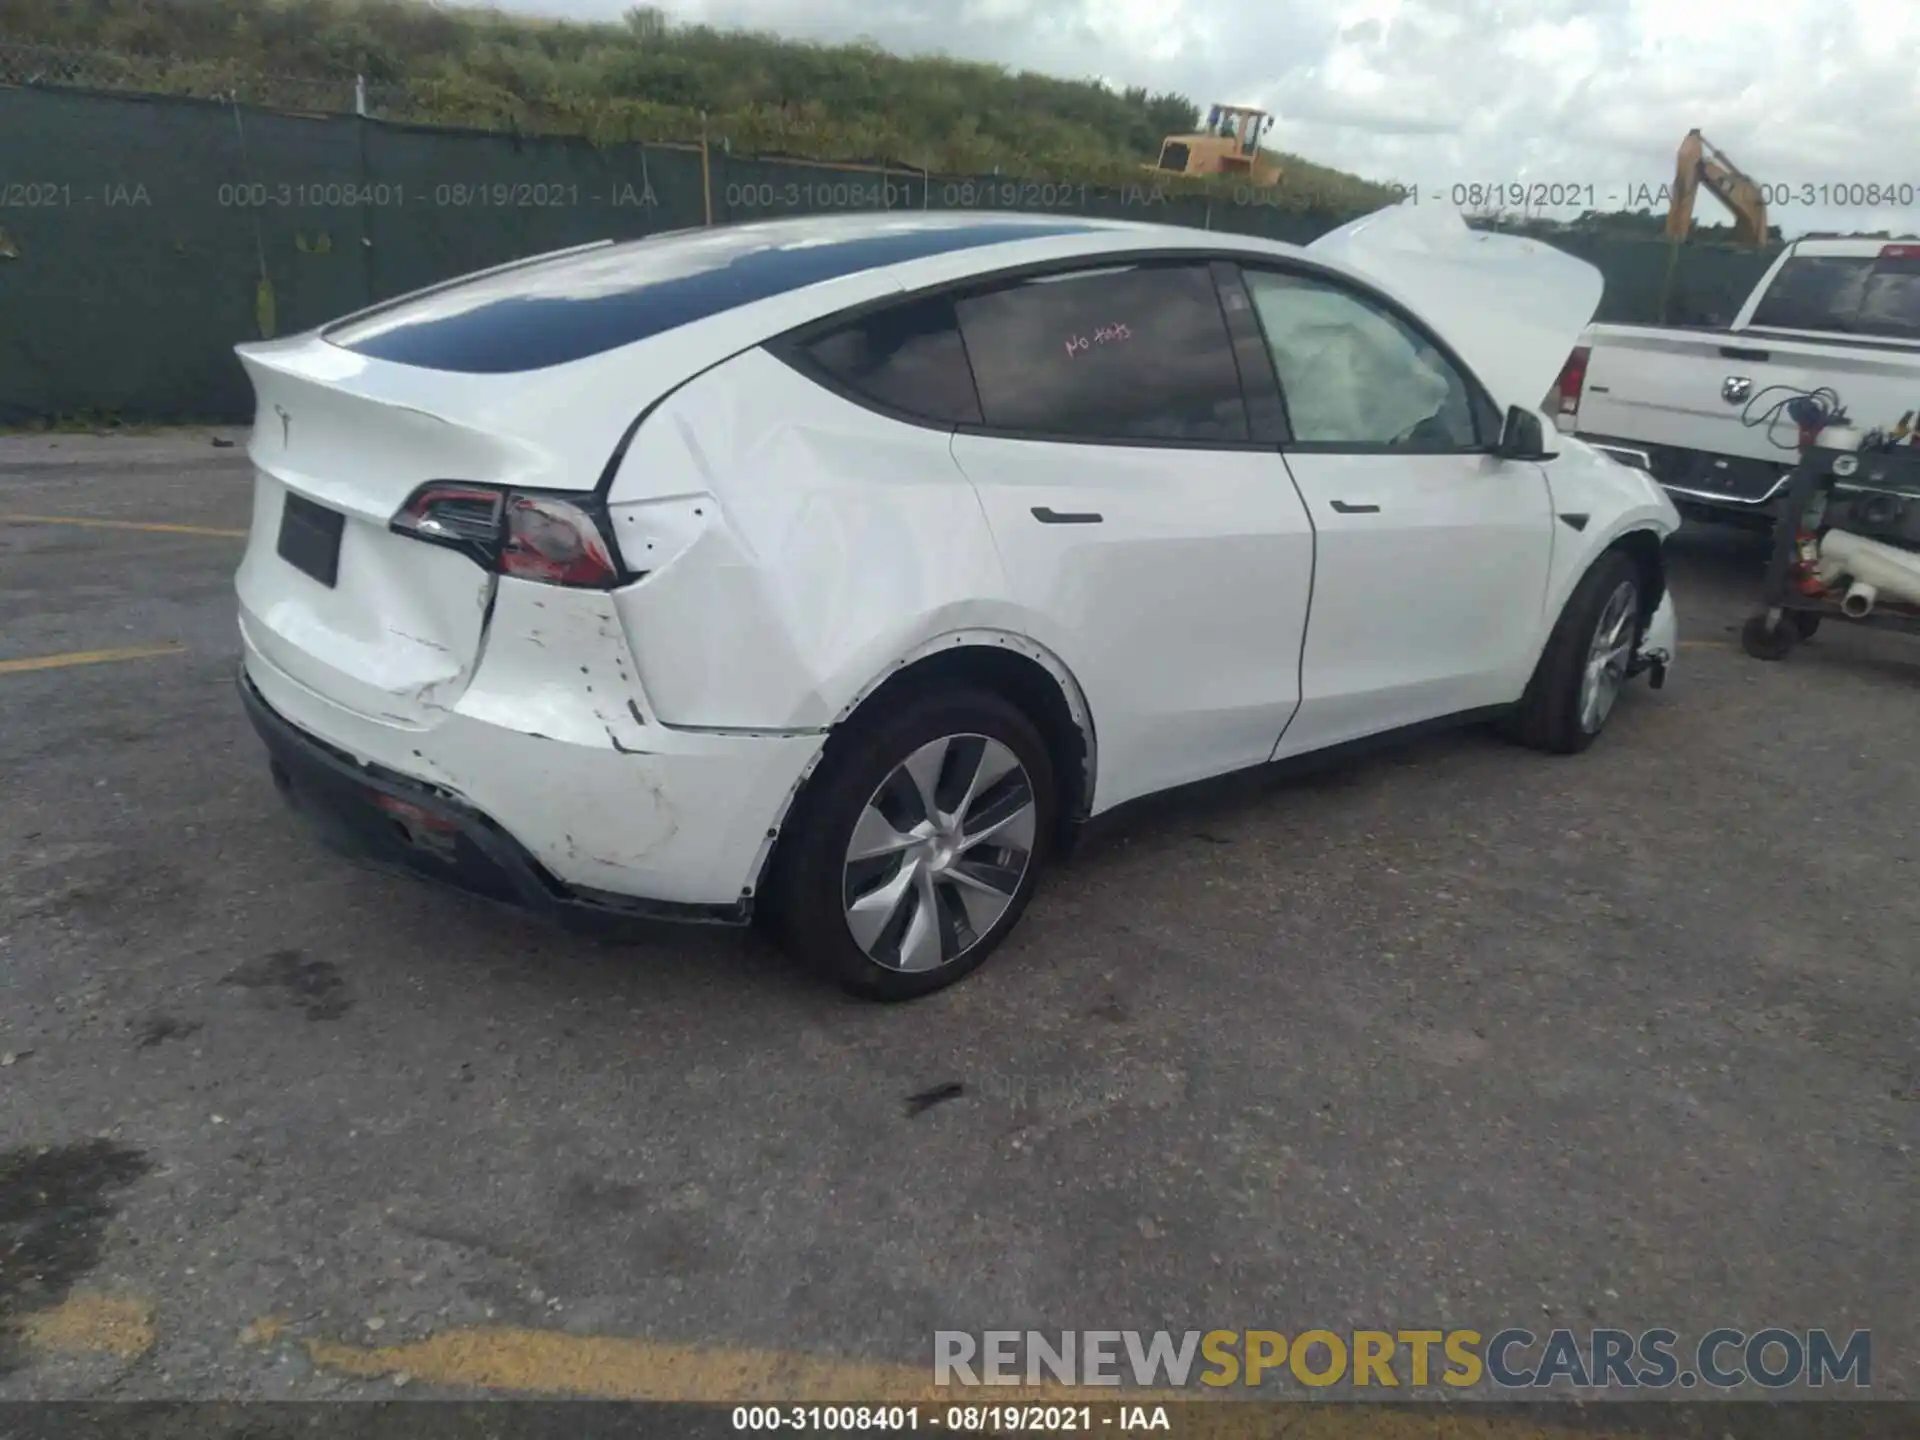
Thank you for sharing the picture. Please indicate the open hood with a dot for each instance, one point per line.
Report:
(1511, 307)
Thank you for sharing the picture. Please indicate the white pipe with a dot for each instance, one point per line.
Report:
(1872, 566)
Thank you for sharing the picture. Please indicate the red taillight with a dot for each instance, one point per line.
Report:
(413, 815)
(1900, 252)
(552, 541)
(1573, 378)
(530, 537)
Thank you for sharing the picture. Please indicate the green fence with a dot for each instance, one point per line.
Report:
(142, 238)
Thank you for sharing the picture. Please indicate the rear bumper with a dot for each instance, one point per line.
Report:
(395, 822)
(552, 740)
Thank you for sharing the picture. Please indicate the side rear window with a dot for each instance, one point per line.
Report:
(1815, 292)
(1890, 304)
(1121, 353)
(907, 358)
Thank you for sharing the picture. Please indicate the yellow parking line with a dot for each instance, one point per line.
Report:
(616, 1367)
(543, 1362)
(153, 526)
(86, 657)
(93, 1324)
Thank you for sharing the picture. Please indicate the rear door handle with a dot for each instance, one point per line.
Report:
(1345, 509)
(1048, 516)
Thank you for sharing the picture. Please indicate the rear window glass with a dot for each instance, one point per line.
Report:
(1115, 354)
(572, 306)
(1845, 293)
(1821, 292)
(1891, 303)
(907, 358)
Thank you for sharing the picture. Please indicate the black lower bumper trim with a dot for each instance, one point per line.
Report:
(381, 817)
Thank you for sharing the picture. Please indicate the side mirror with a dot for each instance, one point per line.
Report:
(1523, 436)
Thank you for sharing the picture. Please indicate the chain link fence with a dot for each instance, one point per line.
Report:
(154, 213)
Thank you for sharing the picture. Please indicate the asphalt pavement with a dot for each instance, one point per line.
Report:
(1462, 1036)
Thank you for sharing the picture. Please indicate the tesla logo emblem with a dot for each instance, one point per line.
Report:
(286, 427)
(1735, 388)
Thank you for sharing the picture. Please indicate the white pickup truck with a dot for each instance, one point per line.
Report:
(1704, 409)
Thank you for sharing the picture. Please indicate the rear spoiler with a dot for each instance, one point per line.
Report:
(525, 261)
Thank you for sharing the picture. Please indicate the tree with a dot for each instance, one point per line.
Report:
(647, 23)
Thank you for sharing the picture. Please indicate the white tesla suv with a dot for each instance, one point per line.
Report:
(840, 570)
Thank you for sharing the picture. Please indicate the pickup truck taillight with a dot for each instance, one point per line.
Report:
(511, 532)
(1573, 377)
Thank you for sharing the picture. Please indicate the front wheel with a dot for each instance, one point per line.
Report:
(1586, 662)
(917, 845)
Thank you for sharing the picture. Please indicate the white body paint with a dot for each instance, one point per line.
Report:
(799, 548)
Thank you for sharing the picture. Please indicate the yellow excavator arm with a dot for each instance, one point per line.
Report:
(1699, 163)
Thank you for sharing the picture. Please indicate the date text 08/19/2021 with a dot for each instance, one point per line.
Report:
(963, 1419)
(1586, 195)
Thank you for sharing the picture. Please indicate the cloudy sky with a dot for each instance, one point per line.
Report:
(1590, 95)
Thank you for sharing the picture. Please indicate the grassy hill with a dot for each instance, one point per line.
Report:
(650, 79)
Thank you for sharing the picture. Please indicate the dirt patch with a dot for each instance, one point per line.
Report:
(92, 1325)
(316, 987)
(54, 1208)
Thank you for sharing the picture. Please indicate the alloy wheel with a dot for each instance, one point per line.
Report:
(939, 852)
(1609, 657)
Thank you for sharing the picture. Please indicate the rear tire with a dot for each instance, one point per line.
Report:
(1583, 668)
(916, 847)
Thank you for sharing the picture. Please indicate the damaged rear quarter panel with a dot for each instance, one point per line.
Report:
(799, 545)
(557, 669)
(604, 794)
(557, 665)
(555, 740)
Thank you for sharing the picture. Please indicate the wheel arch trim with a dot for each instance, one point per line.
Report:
(973, 637)
(990, 637)
(1626, 532)
(1638, 535)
